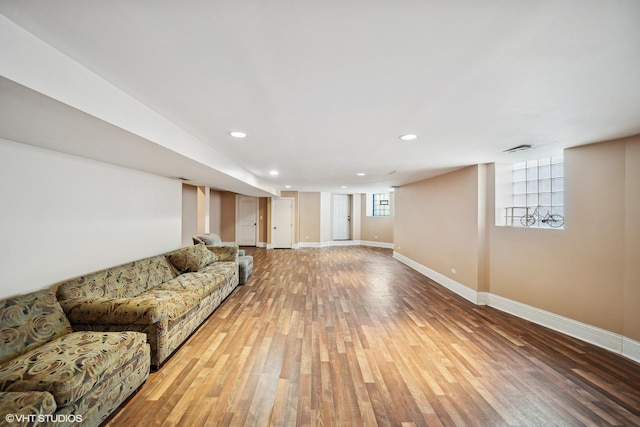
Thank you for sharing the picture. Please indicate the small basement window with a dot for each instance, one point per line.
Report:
(379, 204)
(537, 194)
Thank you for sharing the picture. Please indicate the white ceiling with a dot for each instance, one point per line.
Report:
(325, 88)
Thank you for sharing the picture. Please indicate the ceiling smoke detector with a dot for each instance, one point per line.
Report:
(519, 148)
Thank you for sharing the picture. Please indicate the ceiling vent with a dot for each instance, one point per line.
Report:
(519, 148)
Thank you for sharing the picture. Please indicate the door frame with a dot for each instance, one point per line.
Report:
(349, 201)
(271, 245)
(255, 213)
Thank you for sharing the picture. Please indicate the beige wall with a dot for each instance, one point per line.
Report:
(263, 219)
(203, 210)
(576, 272)
(228, 217)
(436, 224)
(631, 288)
(356, 216)
(309, 217)
(378, 228)
(588, 272)
(215, 212)
(196, 212)
(267, 224)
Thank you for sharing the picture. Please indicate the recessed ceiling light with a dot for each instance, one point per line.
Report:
(237, 134)
(361, 174)
(344, 186)
(274, 172)
(408, 137)
(287, 186)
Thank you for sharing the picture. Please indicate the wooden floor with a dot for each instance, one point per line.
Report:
(348, 336)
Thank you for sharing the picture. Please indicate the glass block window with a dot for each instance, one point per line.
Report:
(538, 193)
(381, 204)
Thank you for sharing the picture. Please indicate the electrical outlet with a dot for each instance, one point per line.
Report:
(454, 271)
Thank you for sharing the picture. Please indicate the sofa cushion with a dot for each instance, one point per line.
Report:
(29, 321)
(223, 269)
(149, 307)
(141, 309)
(123, 281)
(195, 283)
(177, 303)
(201, 283)
(191, 258)
(70, 366)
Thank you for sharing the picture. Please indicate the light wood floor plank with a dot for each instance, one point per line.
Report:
(349, 336)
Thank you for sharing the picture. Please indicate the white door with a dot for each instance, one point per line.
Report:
(246, 220)
(282, 226)
(341, 217)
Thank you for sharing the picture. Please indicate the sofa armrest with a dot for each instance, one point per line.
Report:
(25, 406)
(225, 253)
(140, 310)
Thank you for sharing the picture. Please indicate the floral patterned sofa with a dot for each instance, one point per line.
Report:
(165, 296)
(50, 375)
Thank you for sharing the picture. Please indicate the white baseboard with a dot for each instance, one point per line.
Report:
(613, 342)
(441, 279)
(338, 243)
(591, 334)
(631, 349)
(329, 244)
(483, 298)
(270, 246)
(309, 244)
(344, 243)
(375, 244)
(258, 245)
(314, 244)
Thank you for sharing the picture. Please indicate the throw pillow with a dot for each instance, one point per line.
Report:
(210, 239)
(192, 258)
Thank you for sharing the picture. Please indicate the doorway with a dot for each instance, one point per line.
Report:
(282, 226)
(341, 217)
(246, 220)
